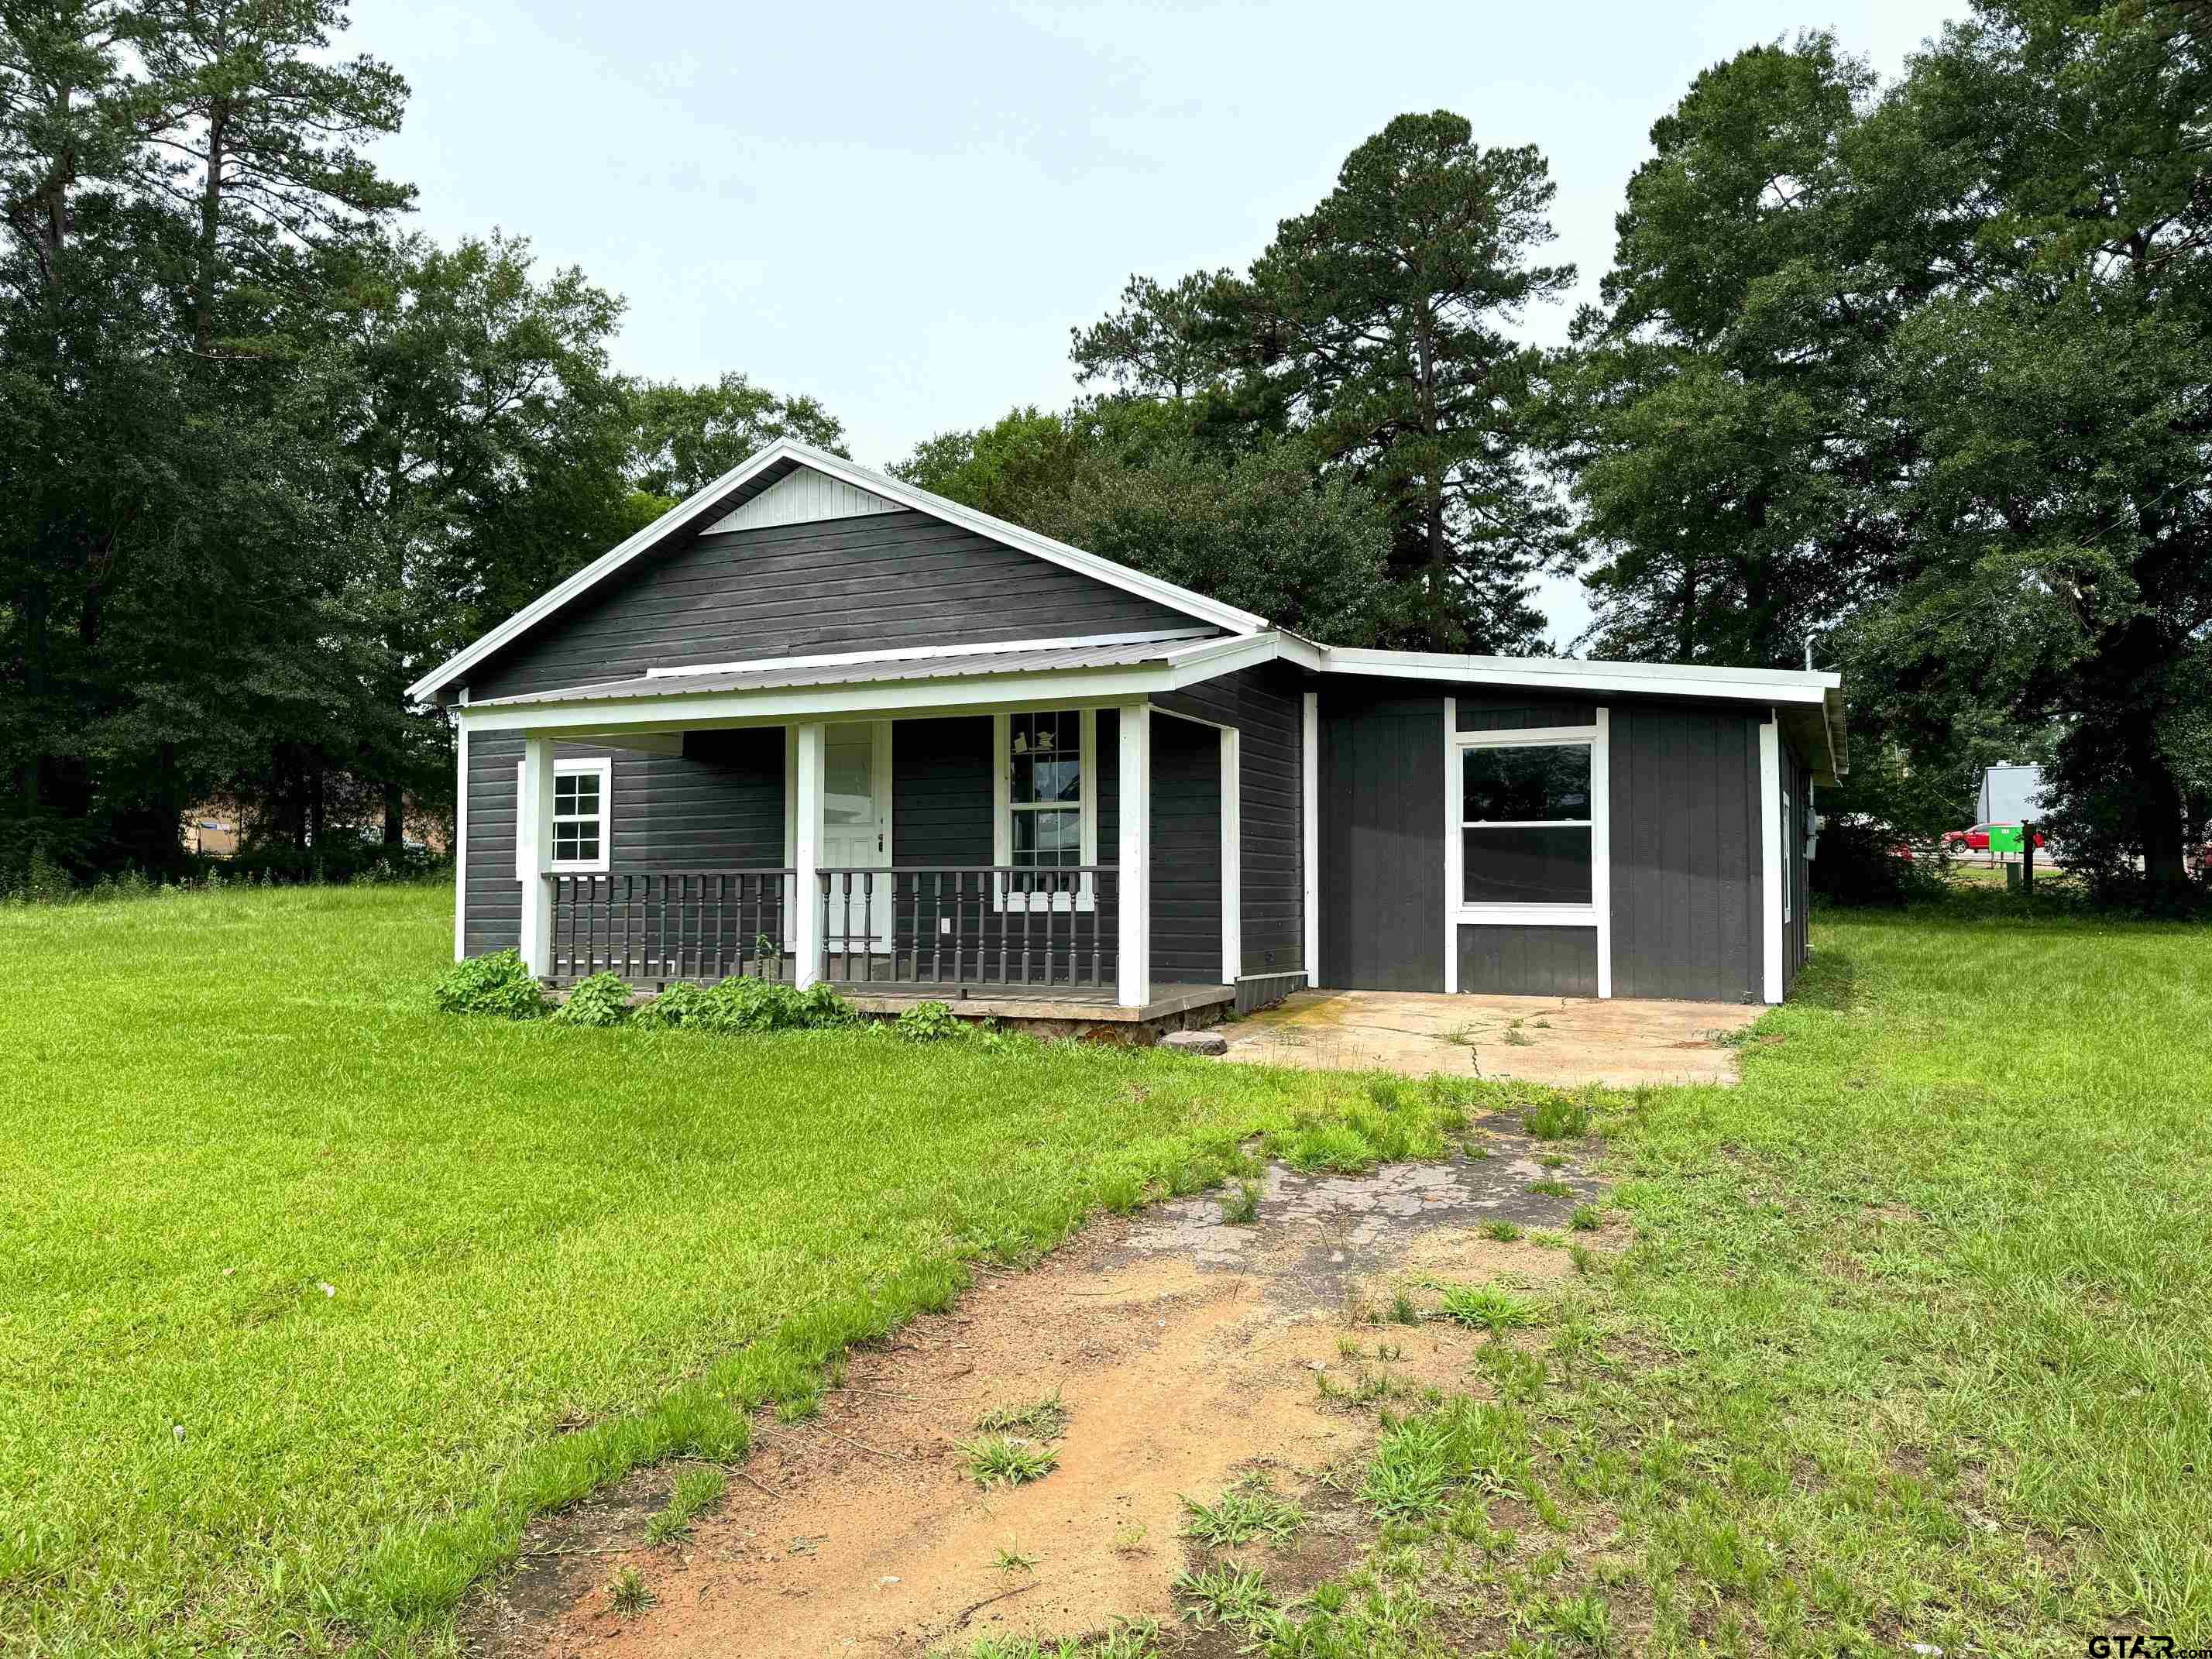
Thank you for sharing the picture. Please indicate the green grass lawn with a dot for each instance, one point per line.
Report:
(1913, 1340)
(309, 1295)
(1909, 1347)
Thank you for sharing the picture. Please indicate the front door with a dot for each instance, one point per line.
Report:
(856, 834)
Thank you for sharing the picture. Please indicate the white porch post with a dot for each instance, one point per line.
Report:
(806, 840)
(1133, 981)
(534, 850)
(1771, 854)
(1232, 856)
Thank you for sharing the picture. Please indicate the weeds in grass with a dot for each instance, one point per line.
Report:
(1502, 1231)
(1226, 1596)
(1557, 1117)
(1243, 1512)
(1242, 1207)
(1587, 1219)
(628, 1593)
(1001, 1460)
(1552, 1189)
(1484, 1306)
(695, 1489)
(1046, 1418)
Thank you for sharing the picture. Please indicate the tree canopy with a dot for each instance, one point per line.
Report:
(1922, 371)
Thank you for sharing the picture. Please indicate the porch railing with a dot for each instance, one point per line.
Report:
(673, 924)
(969, 924)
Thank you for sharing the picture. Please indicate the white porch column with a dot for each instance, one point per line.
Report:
(806, 840)
(533, 852)
(1232, 855)
(1770, 854)
(1133, 981)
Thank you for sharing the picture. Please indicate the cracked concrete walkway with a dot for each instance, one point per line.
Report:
(1557, 1040)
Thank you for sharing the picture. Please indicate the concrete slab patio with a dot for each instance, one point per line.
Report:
(1557, 1040)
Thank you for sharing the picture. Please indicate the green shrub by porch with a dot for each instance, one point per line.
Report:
(602, 1000)
(496, 984)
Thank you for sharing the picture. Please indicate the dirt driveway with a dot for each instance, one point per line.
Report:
(1559, 1042)
(1186, 1354)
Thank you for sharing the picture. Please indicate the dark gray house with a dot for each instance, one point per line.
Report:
(817, 723)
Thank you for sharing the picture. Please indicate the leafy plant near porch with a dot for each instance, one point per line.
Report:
(601, 1001)
(497, 984)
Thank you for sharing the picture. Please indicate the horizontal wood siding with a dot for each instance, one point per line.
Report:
(1186, 908)
(872, 583)
(1546, 961)
(1265, 705)
(1687, 915)
(941, 791)
(719, 805)
(1382, 841)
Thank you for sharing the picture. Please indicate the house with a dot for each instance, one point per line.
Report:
(817, 723)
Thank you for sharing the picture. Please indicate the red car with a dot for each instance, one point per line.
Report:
(1977, 840)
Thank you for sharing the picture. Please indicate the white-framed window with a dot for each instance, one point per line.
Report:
(583, 817)
(1526, 809)
(1046, 807)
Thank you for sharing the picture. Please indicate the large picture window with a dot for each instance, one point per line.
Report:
(1048, 813)
(1525, 823)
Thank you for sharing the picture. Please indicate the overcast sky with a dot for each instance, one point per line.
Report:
(904, 209)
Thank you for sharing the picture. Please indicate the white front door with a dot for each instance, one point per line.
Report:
(856, 832)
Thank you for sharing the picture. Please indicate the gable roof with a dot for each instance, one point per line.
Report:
(761, 472)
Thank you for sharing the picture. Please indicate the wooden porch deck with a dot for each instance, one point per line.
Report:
(1017, 1001)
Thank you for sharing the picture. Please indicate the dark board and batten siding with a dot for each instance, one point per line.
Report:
(1266, 707)
(1382, 841)
(1547, 961)
(1686, 900)
(882, 582)
(1688, 908)
(1186, 905)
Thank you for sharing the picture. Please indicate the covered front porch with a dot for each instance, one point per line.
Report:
(1105, 890)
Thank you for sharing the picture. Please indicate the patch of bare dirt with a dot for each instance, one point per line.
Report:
(1186, 1354)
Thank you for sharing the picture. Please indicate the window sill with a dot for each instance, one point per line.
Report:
(1526, 915)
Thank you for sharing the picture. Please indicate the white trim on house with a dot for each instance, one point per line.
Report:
(1568, 674)
(679, 710)
(1310, 849)
(1232, 855)
(1770, 852)
(1602, 846)
(1597, 914)
(802, 496)
(702, 508)
(533, 846)
(604, 766)
(461, 837)
(1133, 946)
(809, 747)
(1454, 845)
(917, 653)
(1002, 812)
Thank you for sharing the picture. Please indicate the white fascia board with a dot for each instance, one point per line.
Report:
(914, 654)
(1765, 685)
(1063, 689)
(686, 513)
